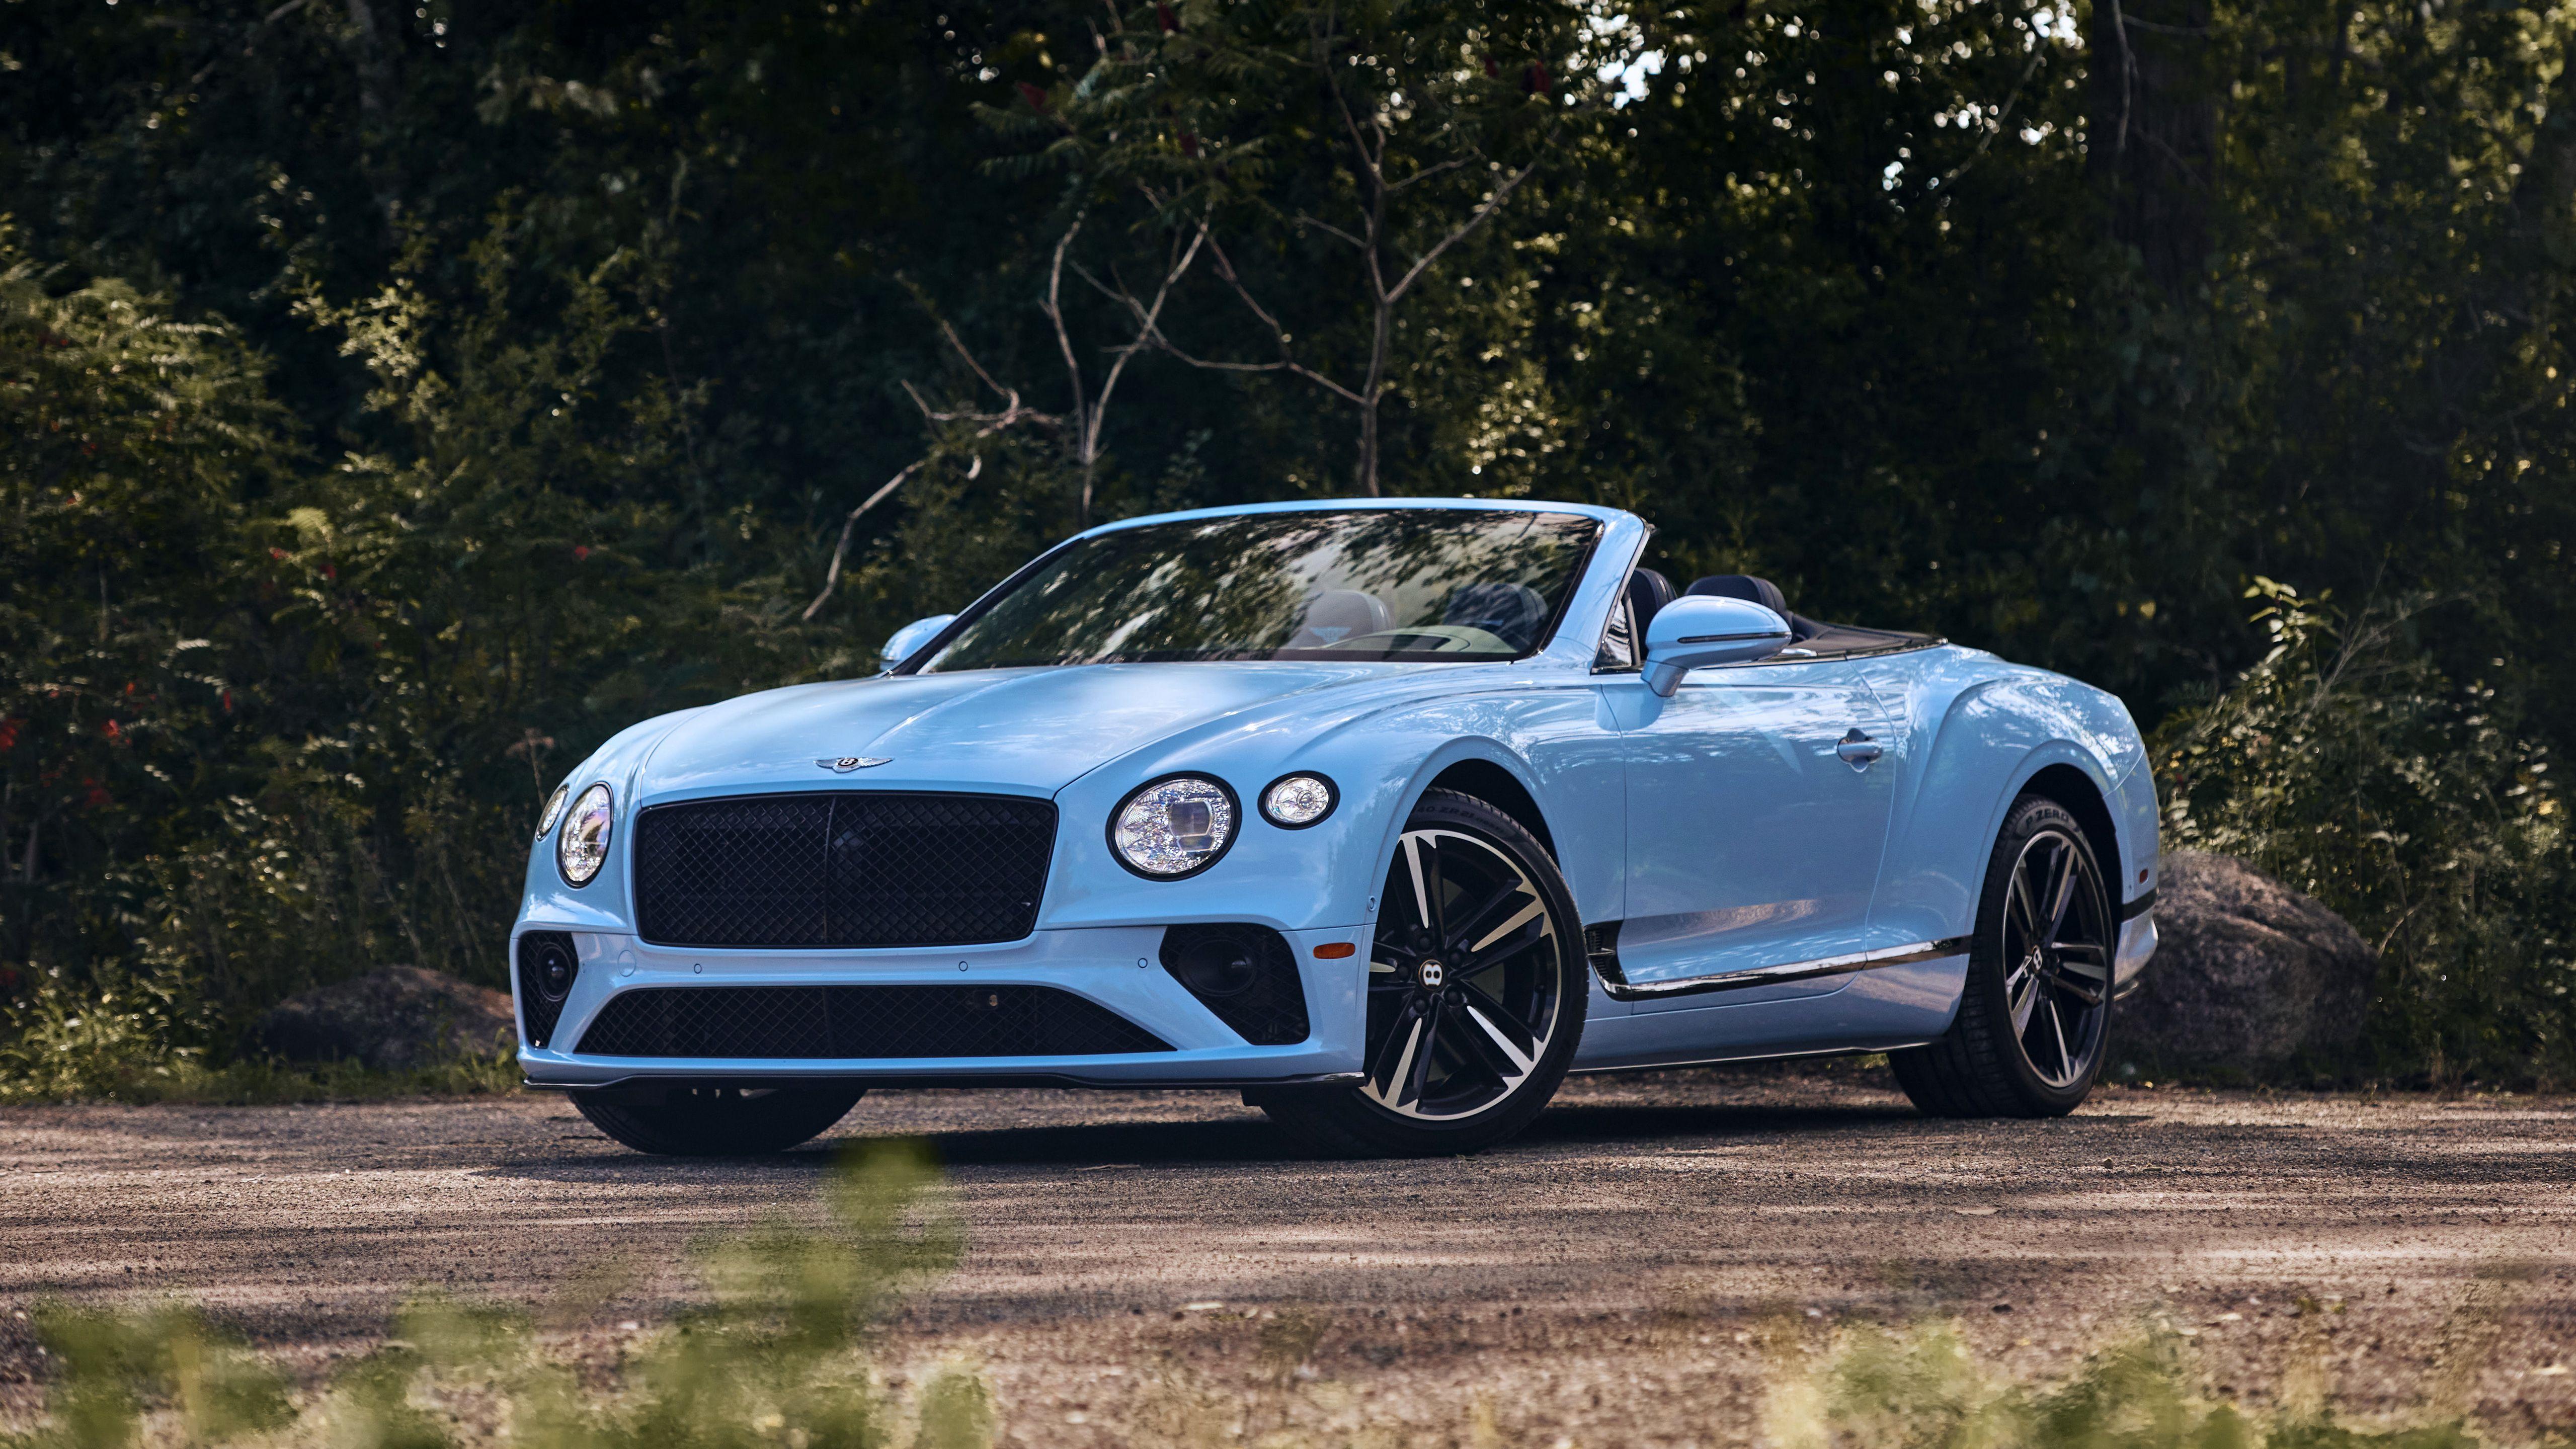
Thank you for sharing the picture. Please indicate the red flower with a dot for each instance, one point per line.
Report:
(1535, 80)
(228, 701)
(277, 553)
(97, 794)
(110, 730)
(580, 551)
(9, 733)
(330, 571)
(1189, 145)
(1035, 97)
(1491, 70)
(1164, 17)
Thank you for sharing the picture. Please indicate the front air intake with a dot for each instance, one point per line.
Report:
(548, 966)
(845, 1023)
(1245, 975)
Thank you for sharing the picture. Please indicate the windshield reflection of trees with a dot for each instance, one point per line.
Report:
(1239, 587)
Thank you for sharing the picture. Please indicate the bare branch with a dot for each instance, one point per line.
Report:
(954, 341)
(1148, 324)
(832, 577)
(1329, 229)
(1427, 172)
(1054, 310)
(1478, 218)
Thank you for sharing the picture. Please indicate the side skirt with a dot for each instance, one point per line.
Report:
(1603, 943)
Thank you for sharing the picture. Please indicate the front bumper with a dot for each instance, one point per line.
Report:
(1115, 968)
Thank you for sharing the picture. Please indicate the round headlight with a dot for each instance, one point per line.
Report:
(583, 847)
(1174, 827)
(554, 809)
(1294, 802)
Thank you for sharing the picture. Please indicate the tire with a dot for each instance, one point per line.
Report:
(1477, 990)
(721, 1121)
(2034, 1019)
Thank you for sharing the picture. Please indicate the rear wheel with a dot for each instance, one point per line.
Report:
(1476, 994)
(2035, 1019)
(720, 1121)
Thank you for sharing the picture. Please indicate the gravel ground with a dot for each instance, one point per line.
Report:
(1605, 1281)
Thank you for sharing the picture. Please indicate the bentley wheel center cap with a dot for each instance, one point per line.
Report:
(1433, 973)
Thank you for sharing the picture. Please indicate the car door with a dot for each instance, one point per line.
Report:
(1756, 822)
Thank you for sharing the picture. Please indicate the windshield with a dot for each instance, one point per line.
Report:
(1407, 583)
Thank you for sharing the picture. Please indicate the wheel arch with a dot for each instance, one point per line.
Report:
(2083, 799)
(1497, 786)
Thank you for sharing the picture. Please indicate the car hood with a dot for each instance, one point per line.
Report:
(1017, 730)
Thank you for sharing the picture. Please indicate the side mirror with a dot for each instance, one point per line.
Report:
(1702, 629)
(910, 637)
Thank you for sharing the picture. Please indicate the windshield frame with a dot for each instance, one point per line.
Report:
(984, 603)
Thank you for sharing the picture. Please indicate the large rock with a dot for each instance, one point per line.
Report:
(394, 1019)
(2249, 973)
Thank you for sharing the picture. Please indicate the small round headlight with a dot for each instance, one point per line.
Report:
(583, 847)
(1174, 827)
(1293, 802)
(554, 809)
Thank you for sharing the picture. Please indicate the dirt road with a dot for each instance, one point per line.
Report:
(1599, 1282)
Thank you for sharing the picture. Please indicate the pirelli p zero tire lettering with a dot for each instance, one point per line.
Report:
(1476, 995)
(721, 1121)
(2035, 1018)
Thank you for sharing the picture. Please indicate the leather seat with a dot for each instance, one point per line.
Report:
(1648, 591)
(1339, 614)
(1744, 586)
(1759, 591)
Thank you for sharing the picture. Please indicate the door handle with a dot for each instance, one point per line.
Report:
(1858, 750)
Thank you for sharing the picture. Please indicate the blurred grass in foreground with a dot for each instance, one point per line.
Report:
(779, 1358)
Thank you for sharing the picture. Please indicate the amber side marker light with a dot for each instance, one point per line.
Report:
(1335, 950)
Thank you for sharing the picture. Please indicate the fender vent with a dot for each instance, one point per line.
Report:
(1246, 975)
(842, 1023)
(548, 966)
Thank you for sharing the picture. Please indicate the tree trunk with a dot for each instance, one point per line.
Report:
(2152, 136)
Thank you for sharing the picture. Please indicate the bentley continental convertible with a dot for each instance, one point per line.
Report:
(1387, 814)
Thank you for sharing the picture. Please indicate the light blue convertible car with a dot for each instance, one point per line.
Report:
(1389, 814)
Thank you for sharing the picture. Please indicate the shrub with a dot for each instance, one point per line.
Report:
(2345, 764)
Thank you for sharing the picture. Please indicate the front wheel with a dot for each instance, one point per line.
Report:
(1476, 995)
(2035, 1018)
(721, 1121)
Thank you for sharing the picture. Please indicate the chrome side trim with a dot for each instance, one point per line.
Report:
(1789, 970)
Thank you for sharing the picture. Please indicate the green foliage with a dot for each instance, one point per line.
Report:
(1923, 1388)
(485, 379)
(2344, 763)
(778, 1355)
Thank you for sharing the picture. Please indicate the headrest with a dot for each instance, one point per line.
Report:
(1648, 591)
(1744, 586)
(1338, 614)
(1510, 612)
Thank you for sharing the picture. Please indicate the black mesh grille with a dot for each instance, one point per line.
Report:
(842, 868)
(542, 992)
(846, 1022)
(1246, 975)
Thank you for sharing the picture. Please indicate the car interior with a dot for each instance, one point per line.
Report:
(1649, 591)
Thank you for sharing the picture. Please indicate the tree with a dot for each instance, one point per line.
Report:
(1390, 131)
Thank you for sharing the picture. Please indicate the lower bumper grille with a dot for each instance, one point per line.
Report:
(853, 1022)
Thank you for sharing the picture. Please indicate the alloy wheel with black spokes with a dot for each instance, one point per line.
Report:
(2057, 939)
(2034, 1019)
(1476, 992)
